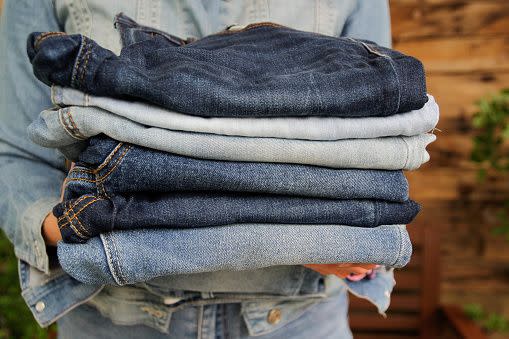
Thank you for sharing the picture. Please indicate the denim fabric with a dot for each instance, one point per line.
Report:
(89, 215)
(32, 175)
(299, 319)
(198, 18)
(261, 70)
(307, 128)
(68, 128)
(139, 255)
(109, 167)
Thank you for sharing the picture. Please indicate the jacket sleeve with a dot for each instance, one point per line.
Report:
(30, 176)
(370, 20)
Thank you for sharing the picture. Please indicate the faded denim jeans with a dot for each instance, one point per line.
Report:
(306, 128)
(262, 70)
(68, 129)
(126, 257)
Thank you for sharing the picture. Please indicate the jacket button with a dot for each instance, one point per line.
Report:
(40, 306)
(274, 316)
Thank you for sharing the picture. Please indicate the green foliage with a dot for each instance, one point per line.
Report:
(474, 311)
(491, 140)
(492, 322)
(16, 320)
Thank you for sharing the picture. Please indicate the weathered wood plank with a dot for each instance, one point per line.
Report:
(417, 20)
(457, 93)
(457, 55)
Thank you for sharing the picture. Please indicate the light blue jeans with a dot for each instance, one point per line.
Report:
(325, 319)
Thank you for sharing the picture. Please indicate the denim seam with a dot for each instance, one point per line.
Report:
(372, 50)
(407, 152)
(111, 255)
(115, 166)
(376, 214)
(101, 190)
(78, 233)
(44, 36)
(75, 229)
(400, 237)
(76, 66)
(101, 166)
(84, 207)
(75, 128)
(109, 157)
(85, 63)
(391, 62)
(65, 126)
(76, 214)
(83, 229)
(76, 204)
(120, 272)
(111, 265)
(83, 170)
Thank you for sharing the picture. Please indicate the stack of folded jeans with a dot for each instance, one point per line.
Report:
(253, 147)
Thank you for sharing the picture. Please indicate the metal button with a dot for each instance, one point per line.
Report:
(274, 316)
(40, 306)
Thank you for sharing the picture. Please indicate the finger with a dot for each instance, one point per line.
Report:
(357, 270)
(366, 266)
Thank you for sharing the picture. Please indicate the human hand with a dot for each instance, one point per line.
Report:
(50, 231)
(341, 270)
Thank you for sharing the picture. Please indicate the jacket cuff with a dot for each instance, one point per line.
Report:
(31, 223)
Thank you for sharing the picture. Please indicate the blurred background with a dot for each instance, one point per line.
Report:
(462, 234)
(464, 189)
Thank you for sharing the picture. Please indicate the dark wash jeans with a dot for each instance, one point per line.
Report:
(262, 70)
(119, 186)
(90, 215)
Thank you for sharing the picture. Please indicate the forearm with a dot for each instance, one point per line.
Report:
(31, 176)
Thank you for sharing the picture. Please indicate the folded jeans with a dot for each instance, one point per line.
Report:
(262, 70)
(127, 257)
(307, 128)
(69, 128)
(88, 216)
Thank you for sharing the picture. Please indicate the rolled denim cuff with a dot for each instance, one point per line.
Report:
(67, 60)
(411, 82)
(31, 226)
(53, 63)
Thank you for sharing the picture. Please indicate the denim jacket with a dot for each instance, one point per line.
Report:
(32, 175)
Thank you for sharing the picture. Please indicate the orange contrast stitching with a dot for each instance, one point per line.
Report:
(43, 36)
(74, 205)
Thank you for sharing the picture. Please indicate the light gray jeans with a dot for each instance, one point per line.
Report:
(306, 128)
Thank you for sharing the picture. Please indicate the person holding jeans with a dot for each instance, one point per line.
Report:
(277, 302)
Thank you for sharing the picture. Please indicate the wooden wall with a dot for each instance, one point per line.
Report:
(464, 46)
